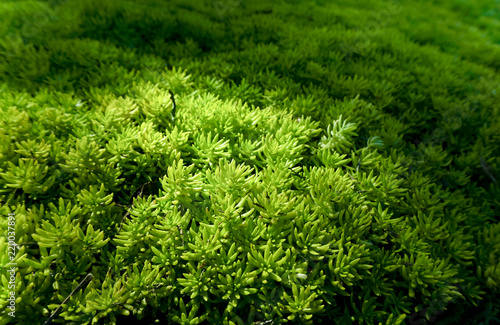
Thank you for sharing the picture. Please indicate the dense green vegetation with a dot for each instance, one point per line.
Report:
(232, 162)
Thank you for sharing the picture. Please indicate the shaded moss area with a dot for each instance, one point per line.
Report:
(231, 162)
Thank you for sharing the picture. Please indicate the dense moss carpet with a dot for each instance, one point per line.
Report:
(249, 162)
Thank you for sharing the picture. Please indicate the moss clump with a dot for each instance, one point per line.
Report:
(250, 163)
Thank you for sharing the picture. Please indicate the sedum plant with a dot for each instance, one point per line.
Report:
(178, 166)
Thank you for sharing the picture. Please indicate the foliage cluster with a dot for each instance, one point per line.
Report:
(231, 162)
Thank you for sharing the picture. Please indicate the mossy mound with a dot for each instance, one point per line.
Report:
(225, 162)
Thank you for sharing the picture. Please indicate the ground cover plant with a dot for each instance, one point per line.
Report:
(231, 162)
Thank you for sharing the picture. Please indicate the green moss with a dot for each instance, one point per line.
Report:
(227, 162)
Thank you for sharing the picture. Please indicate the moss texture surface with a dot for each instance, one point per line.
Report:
(258, 162)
